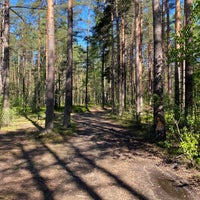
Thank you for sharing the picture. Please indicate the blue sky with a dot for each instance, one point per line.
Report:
(80, 22)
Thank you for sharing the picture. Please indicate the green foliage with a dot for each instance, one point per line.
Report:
(182, 138)
(7, 116)
(80, 109)
(189, 143)
(189, 40)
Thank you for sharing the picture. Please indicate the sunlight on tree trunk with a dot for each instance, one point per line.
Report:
(159, 121)
(68, 86)
(6, 54)
(138, 61)
(49, 122)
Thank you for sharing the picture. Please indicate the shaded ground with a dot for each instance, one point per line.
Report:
(100, 161)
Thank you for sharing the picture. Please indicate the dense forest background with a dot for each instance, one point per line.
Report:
(140, 58)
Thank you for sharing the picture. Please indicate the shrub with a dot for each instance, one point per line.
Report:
(7, 116)
(189, 143)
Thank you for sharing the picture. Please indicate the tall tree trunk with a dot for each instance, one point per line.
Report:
(102, 79)
(118, 56)
(159, 121)
(150, 67)
(68, 91)
(87, 62)
(122, 67)
(169, 68)
(24, 95)
(49, 122)
(87, 74)
(131, 62)
(113, 68)
(188, 65)
(177, 63)
(138, 61)
(38, 66)
(6, 53)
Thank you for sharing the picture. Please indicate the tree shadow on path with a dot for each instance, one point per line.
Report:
(82, 184)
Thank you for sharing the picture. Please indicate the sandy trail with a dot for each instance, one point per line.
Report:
(100, 161)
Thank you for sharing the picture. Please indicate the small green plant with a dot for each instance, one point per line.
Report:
(80, 109)
(189, 143)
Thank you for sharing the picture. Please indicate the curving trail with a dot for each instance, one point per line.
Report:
(100, 161)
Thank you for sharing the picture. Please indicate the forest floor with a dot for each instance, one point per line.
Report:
(101, 160)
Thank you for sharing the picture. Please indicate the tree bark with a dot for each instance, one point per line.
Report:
(159, 121)
(68, 86)
(118, 58)
(131, 62)
(189, 70)
(49, 122)
(102, 79)
(150, 66)
(87, 62)
(169, 68)
(38, 66)
(177, 63)
(122, 67)
(6, 53)
(113, 68)
(138, 61)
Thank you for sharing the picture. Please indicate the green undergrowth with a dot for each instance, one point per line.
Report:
(80, 109)
(140, 131)
(75, 109)
(32, 124)
(182, 139)
(7, 117)
(58, 135)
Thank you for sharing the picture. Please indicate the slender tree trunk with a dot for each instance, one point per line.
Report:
(24, 95)
(177, 63)
(122, 68)
(131, 62)
(169, 68)
(102, 79)
(87, 62)
(113, 68)
(189, 70)
(6, 53)
(118, 58)
(138, 61)
(165, 80)
(49, 122)
(150, 67)
(19, 74)
(159, 121)
(68, 91)
(87, 75)
(38, 66)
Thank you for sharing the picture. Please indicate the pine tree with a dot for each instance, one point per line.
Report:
(5, 56)
(50, 79)
(68, 86)
(159, 121)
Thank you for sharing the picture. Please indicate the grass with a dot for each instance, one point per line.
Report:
(18, 123)
(33, 125)
(139, 131)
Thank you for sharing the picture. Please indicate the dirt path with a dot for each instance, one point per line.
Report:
(100, 161)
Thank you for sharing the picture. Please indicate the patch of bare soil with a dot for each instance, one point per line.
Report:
(101, 160)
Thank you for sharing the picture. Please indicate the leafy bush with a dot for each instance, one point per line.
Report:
(189, 143)
(6, 117)
(183, 138)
